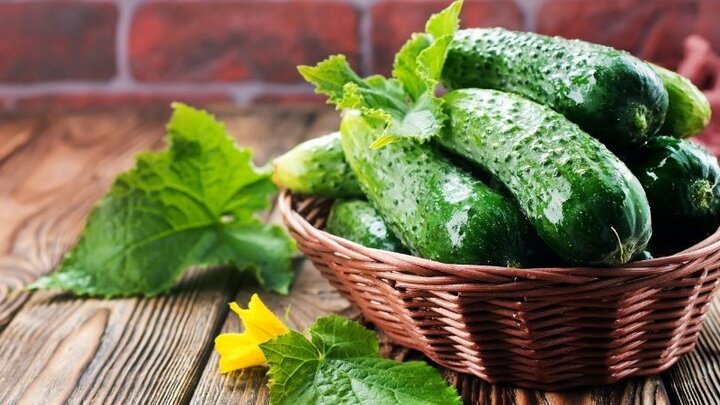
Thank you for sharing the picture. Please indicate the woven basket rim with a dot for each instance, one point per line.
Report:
(661, 267)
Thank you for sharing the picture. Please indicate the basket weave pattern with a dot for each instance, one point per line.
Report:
(543, 328)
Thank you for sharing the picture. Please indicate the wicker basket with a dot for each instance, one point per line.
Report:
(543, 328)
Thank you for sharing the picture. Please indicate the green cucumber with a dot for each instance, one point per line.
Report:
(357, 220)
(583, 201)
(316, 167)
(682, 183)
(437, 210)
(609, 93)
(644, 255)
(688, 109)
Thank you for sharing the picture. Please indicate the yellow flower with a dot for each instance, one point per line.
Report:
(241, 350)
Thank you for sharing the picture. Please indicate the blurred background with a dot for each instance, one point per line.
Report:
(143, 52)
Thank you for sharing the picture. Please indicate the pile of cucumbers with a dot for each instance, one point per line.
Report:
(550, 151)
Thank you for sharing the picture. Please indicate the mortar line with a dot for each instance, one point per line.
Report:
(529, 10)
(80, 87)
(126, 10)
(365, 27)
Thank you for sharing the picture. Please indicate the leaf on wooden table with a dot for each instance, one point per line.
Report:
(193, 204)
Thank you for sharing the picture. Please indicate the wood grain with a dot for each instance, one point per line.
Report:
(59, 167)
(15, 133)
(695, 379)
(129, 350)
(68, 361)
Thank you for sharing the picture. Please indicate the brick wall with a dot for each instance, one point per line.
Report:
(95, 52)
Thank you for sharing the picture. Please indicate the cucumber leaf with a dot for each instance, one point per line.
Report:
(405, 67)
(382, 101)
(418, 65)
(446, 22)
(404, 106)
(340, 364)
(193, 204)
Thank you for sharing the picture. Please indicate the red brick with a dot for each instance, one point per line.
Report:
(652, 30)
(290, 99)
(229, 41)
(394, 21)
(57, 41)
(5, 103)
(125, 99)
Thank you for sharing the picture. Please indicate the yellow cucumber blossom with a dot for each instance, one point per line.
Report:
(241, 350)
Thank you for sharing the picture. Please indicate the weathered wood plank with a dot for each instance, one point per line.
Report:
(15, 133)
(65, 349)
(49, 181)
(695, 379)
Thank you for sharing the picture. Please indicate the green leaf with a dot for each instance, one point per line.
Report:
(405, 66)
(419, 63)
(335, 78)
(404, 106)
(423, 120)
(330, 77)
(193, 204)
(431, 60)
(382, 101)
(340, 364)
(446, 22)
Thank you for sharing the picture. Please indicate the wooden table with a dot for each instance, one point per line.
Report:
(55, 348)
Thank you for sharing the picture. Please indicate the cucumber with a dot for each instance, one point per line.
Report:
(644, 255)
(357, 220)
(317, 167)
(437, 210)
(608, 93)
(582, 200)
(688, 109)
(681, 180)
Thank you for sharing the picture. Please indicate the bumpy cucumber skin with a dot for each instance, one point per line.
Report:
(317, 167)
(612, 95)
(688, 109)
(437, 210)
(682, 182)
(583, 201)
(357, 220)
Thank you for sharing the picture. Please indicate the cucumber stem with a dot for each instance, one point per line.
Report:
(640, 117)
(701, 192)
